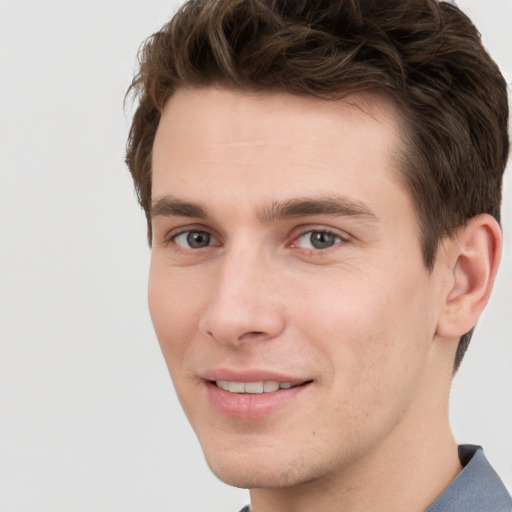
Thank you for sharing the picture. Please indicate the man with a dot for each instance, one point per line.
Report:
(322, 183)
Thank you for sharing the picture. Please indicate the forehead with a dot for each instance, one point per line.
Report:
(219, 112)
(273, 145)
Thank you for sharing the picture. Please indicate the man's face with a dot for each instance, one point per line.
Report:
(286, 253)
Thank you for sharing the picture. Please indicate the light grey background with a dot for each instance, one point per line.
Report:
(88, 418)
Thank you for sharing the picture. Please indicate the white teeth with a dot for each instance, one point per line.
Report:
(270, 385)
(224, 384)
(236, 387)
(253, 388)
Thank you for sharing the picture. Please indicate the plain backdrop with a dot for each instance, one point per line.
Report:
(88, 418)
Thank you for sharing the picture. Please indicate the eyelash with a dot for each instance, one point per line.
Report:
(338, 239)
(171, 238)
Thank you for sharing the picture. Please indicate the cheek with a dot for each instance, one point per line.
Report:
(174, 305)
(374, 327)
(374, 351)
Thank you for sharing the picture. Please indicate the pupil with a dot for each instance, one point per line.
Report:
(321, 240)
(198, 239)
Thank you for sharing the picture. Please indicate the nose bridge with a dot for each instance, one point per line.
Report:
(244, 303)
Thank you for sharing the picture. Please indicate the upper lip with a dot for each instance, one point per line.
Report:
(251, 375)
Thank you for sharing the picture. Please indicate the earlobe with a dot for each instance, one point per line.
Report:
(475, 256)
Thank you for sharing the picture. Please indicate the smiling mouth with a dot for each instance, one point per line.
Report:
(255, 388)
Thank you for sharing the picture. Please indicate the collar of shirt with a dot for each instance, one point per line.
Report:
(477, 488)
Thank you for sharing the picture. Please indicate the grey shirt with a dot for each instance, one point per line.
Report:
(477, 488)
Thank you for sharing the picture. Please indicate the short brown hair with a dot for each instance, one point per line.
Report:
(425, 55)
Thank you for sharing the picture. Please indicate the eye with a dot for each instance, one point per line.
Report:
(316, 239)
(194, 239)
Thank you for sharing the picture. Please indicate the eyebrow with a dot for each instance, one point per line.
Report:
(168, 206)
(339, 206)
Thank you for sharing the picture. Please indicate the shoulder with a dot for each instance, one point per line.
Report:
(477, 488)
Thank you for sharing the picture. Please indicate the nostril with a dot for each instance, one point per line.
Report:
(253, 334)
(249, 334)
(231, 326)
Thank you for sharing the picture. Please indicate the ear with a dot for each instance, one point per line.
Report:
(474, 255)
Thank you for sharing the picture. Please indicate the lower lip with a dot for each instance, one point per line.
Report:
(251, 406)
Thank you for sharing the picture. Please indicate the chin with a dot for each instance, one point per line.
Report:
(261, 471)
(238, 470)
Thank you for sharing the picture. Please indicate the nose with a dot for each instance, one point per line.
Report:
(244, 304)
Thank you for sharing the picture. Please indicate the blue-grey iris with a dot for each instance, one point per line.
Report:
(198, 239)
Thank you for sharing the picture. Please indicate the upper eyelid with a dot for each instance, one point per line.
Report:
(304, 230)
(293, 234)
(212, 238)
(173, 233)
(172, 236)
(183, 231)
(326, 231)
(169, 234)
(342, 239)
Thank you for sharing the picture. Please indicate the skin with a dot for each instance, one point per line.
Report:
(361, 320)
